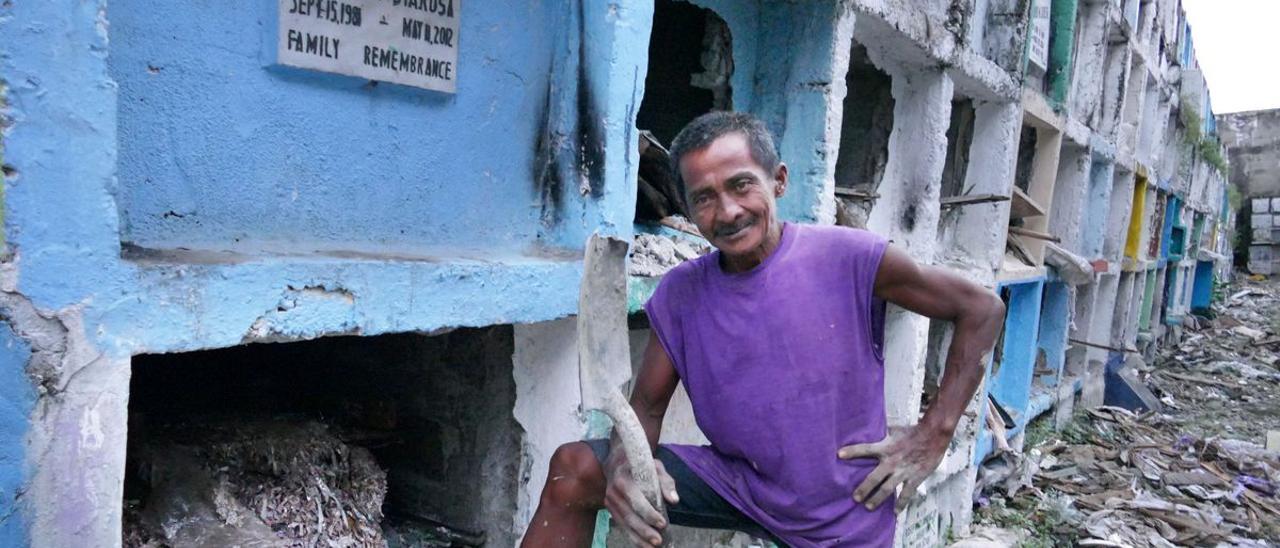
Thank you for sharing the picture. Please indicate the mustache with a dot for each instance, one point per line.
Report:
(728, 230)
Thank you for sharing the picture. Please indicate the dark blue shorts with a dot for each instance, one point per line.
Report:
(700, 506)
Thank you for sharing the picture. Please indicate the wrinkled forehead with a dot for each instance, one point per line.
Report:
(727, 156)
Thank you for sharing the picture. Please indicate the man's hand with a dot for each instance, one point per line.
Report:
(906, 458)
(642, 522)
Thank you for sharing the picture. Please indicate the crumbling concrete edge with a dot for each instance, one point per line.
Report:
(75, 444)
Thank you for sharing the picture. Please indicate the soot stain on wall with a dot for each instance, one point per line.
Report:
(590, 128)
(553, 164)
(546, 172)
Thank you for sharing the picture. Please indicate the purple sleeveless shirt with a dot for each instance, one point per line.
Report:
(783, 366)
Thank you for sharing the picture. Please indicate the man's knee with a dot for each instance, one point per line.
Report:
(575, 478)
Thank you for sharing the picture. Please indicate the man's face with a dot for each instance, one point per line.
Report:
(731, 197)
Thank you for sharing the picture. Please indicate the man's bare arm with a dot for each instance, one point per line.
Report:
(977, 314)
(655, 383)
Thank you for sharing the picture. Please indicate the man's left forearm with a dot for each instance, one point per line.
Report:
(976, 329)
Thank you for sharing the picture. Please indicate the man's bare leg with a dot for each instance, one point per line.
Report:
(574, 493)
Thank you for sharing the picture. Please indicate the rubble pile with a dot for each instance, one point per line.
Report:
(653, 255)
(1195, 473)
(280, 483)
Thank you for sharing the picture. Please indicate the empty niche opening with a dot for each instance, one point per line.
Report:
(407, 440)
(1022, 207)
(952, 192)
(1026, 155)
(1002, 402)
(690, 67)
(1156, 222)
(1051, 347)
(864, 138)
(1148, 300)
(959, 139)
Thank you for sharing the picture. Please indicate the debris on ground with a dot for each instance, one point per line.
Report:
(654, 255)
(1196, 473)
(278, 483)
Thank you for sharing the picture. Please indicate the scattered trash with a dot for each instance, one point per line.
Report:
(1196, 473)
(277, 483)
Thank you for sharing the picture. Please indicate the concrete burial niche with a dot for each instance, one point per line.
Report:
(328, 420)
(1009, 380)
(866, 124)
(690, 68)
(1039, 149)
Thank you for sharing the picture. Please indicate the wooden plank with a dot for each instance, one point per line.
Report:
(1034, 235)
(956, 201)
(1023, 206)
(856, 194)
(1103, 346)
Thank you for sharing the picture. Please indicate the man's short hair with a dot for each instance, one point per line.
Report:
(711, 126)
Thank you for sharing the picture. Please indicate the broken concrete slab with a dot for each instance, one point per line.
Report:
(1126, 390)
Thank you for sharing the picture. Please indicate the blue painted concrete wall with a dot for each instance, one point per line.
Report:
(1202, 288)
(350, 207)
(17, 398)
(794, 102)
(217, 149)
(1055, 318)
(1010, 385)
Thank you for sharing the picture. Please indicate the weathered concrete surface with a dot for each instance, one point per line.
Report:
(1253, 146)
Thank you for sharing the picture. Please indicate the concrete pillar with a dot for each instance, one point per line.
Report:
(1130, 120)
(1097, 208)
(76, 453)
(548, 402)
(1115, 80)
(1069, 197)
(973, 243)
(1122, 321)
(805, 110)
(1138, 288)
(1100, 332)
(907, 214)
(1118, 216)
(1090, 66)
(1081, 322)
(1061, 50)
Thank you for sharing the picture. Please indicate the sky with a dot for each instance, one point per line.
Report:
(1237, 42)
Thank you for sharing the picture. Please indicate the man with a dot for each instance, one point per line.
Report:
(776, 336)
